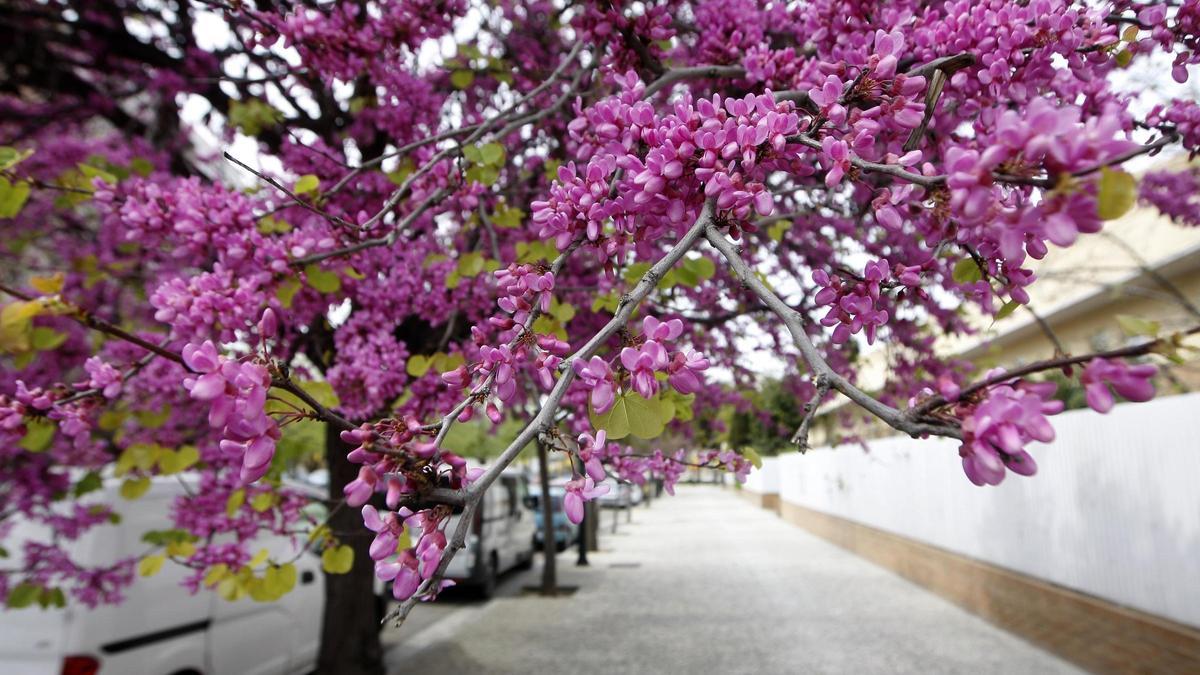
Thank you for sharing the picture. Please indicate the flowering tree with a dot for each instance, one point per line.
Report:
(238, 230)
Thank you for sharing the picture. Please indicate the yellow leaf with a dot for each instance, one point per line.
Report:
(307, 183)
(181, 549)
(259, 558)
(230, 588)
(1116, 193)
(462, 78)
(418, 365)
(49, 285)
(151, 564)
(262, 501)
(16, 325)
(282, 579)
(337, 560)
(134, 488)
(235, 501)
(38, 435)
(286, 291)
(178, 460)
(215, 574)
(322, 280)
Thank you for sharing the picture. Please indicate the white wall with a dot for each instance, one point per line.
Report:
(765, 479)
(1114, 510)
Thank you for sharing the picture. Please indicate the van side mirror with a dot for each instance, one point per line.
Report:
(530, 502)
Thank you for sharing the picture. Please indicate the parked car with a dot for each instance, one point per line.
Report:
(620, 494)
(565, 532)
(501, 536)
(161, 628)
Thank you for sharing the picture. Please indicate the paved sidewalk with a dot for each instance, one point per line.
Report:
(706, 583)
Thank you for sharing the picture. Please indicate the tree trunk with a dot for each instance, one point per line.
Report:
(350, 632)
(549, 542)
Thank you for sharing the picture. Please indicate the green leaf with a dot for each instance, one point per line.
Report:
(548, 325)
(286, 291)
(45, 339)
(90, 171)
(444, 363)
(418, 365)
(1136, 326)
(134, 488)
(752, 456)
(141, 166)
(704, 267)
(155, 419)
(337, 559)
(306, 184)
(321, 280)
(38, 434)
(632, 414)
(563, 311)
(262, 501)
(53, 597)
(778, 229)
(473, 154)
(252, 116)
(462, 78)
(179, 460)
(12, 197)
(967, 271)
(89, 483)
(1008, 308)
(635, 271)
(23, 595)
(167, 537)
(492, 153)
(470, 264)
(606, 302)
(151, 564)
(272, 225)
(235, 501)
(10, 157)
(1116, 193)
(507, 217)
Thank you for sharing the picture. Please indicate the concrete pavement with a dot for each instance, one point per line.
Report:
(706, 583)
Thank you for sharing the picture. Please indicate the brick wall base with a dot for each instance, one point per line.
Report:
(769, 502)
(1095, 634)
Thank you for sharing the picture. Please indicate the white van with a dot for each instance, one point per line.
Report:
(161, 628)
(501, 537)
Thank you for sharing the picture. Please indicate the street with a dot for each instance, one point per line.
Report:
(704, 582)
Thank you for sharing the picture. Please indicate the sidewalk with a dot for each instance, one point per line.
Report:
(706, 583)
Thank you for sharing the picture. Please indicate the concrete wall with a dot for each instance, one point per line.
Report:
(764, 480)
(1114, 511)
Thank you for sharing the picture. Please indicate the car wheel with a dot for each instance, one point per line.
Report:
(487, 588)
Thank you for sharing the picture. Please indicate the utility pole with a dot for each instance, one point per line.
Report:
(549, 543)
(581, 539)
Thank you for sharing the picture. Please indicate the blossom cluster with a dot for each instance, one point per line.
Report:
(718, 148)
(853, 305)
(997, 429)
(237, 393)
(1176, 194)
(395, 461)
(642, 364)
